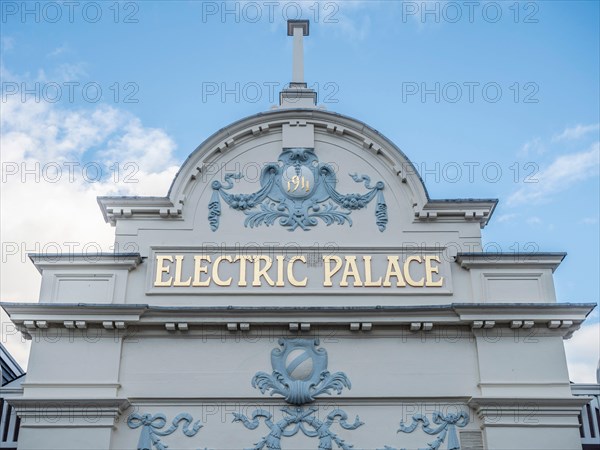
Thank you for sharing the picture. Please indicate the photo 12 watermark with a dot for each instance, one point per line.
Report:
(516, 172)
(526, 12)
(67, 251)
(69, 171)
(265, 91)
(69, 12)
(469, 92)
(70, 92)
(270, 12)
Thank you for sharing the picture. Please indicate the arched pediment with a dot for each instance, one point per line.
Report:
(374, 144)
(351, 177)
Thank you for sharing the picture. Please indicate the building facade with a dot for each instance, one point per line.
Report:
(12, 377)
(589, 418)
(297, 288)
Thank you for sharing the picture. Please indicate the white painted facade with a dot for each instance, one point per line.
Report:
(109, 345)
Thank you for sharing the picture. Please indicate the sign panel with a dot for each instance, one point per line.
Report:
(265, 271)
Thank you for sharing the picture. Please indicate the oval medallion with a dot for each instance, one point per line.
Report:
(299, 364)
(297, 181)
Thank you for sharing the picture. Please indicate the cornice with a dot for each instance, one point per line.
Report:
(528, 411)
(540, 260)
(558, 319)
(45, 261)
(87, 412)
(114, 208)
(458, 210)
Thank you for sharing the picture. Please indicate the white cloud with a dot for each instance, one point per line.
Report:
(139, 143)
(532, 147)
(59, 51)
(69, 72)
(7, 43)
(576, 132)
(507, 218)
(583, 353)
(54, 208)
(534, 221)
(354, 26)
(564, 171)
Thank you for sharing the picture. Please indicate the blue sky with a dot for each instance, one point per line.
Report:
(529, 103)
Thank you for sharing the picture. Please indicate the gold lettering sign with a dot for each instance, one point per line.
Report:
(255, 271)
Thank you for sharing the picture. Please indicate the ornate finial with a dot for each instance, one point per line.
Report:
(297, 94)
(298, 29)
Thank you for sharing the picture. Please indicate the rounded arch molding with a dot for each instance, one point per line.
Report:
(223, 141)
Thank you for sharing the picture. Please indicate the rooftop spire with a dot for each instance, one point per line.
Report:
(298, 29)
(297, 94)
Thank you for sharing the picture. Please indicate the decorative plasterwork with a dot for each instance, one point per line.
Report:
(445, 428)
(296, 192)
(299, 375)
(152, 428)
(300, 372)
(296, 420)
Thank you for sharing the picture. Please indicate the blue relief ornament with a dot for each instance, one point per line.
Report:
(151, 428)
(446, 429)
(299, 419)
(299, 375)
(300, 372)
(296, 192)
